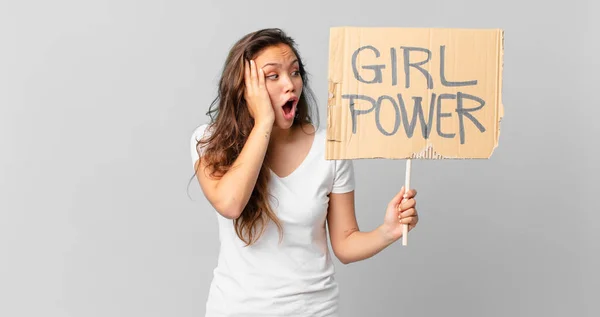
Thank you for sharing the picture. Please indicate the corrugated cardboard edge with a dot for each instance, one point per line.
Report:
(427, 153)
(500, 111)
(334, 113)
(335, 122)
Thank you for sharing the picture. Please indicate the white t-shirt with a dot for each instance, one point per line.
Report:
(296, 277)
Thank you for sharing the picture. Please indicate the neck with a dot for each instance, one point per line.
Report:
(281, 136)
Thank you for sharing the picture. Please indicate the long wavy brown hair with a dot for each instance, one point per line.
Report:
(231, 125)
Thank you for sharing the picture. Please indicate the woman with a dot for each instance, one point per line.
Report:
(261, 164)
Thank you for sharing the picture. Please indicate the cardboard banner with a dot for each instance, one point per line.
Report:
(414, 93)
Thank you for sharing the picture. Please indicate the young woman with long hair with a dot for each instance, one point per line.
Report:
(261, 164)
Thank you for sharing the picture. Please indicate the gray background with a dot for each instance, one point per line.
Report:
(98, 101)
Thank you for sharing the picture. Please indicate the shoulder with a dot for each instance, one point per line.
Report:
(320, 149)
(318, 133)
(342, 171)
(320, 142)
(199, 133)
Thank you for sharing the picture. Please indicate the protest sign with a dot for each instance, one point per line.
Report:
(414, 93)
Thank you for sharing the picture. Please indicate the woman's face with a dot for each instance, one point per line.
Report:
(283, 81)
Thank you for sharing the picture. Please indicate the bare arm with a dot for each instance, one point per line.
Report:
(349, 243)
(230, 193)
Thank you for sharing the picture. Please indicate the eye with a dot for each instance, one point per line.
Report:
(296, 73)
(273, 77)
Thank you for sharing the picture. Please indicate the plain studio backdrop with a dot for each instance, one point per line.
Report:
(99, 100)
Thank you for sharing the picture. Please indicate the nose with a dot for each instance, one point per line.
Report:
(288, 85)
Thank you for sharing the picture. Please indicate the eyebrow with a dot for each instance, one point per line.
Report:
(278, 64)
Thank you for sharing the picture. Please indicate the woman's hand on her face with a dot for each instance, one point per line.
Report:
(256, 95)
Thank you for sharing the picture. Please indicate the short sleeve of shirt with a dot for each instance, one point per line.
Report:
(343, 180)
(196, 149)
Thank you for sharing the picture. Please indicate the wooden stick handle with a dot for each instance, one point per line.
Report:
(406, 187)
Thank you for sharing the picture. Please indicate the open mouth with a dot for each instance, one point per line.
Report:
(289, 108)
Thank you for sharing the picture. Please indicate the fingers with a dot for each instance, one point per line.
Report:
(397, 199)
(410, 194)
(401, 197)
(410, 221)
(409, 217)
(247, 79)
(254, 77)
(406, 206)
(253, 72)
(247, 72)
(407, 203)
(250, 76)
(411, 212)
(261, 78)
